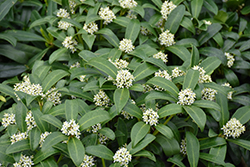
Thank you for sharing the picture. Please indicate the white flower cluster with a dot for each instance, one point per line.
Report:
(166, 38)
(229, 94)
(101, 99)
(102, 138)
(162, 56)
(63, 25)
(28, 88)
(124, 79)
(147, 88)
(207, 22)
(126, 45)
(25, 161)
(131, 15)
(159, 24)
(183, 147)
(233, 128)
(18, 137)
(94, 128)
(90, 28)
(167, 8)
(88, 161)
(82, 78)
(71, 128)
(186, 97)
(208, 94)
(70, 43)
(62, 13)
(122, 156)
(107, 15)
(127, 115)
(8, 119)
(176, 72)
(163, 74)
(72, 6)
(119, 63)
(53, 96)
(150, 117)
(42, 138)
(30, 121)
(145, 31)
(128, 3)
(203, 78)
(230, 59)
(75, 65)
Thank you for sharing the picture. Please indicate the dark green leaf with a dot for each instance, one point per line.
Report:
(176, 159)
(50, 162)
(132, 30)
(100, 151)
(242, 114)
(207, 104)
(133, 110)
(107, 132)
(193, 149)
(196, 6)
(170, 109)
(195, 57)
(8, 70)
(223, 103)
(211, 6)
(121, 97)
(8, 38)
(21, 112)
(165, 130)
(89, 39)
(191, 79)
(25, 35)
(210, 64)
(71, 109)
(76, 150)
(145, 153)
(41, 124)
(18, 146)
(211, 31)
(34, 136)
(144, 70)
(169, 146)
(12, 53)
(180, 51)
(7, 90)
(211, 158)
(110, 36)
(43, 154)
(53, 139)
(5, 7)
(56, 54)
(42, 21)
(148, 139)
(212, 142)
(138, 132)
(52, 120)
(187, 23)
(57, 110)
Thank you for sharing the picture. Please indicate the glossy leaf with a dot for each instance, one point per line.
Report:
(212, 142)
(43, 154)
(165, 130)
(71, 109)
(52, 139)
(207, 104)
(196, 6)
(8, 38)
(153, 95)
(107, 132)
(132, 30)
(191, 79)
(195, 57)
(144, 70)
(41, 124)
(121, 97)
(242, 114)
(210, 64)
(25, 35)
(52, 120)
(109, 36)
(56, 54)
(180, 51)
(42, 21)
(145, 153)
(5, 7)
(211, 158)
(76, 150)
(20, 116)
(176, 159)
(18, 146)
(100, 151)
(133, 110)
(243, 143)
(211, 6)
(170, 109)
(223, 102)
(211, 31)
(138, 132)
(169, 146)
(34, 136)
(49, 162)
(193, 149)
(147, 140)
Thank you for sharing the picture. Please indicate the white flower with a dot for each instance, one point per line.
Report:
(102, 138)
(62, 13)
(167, 8)
(72, 6)
(42, 138)
(82, 78)
(166, 38)
(186, 97)
(230, 59)
(53, 96)
(229, 94)
(75, 65)
(176, 72)
(119, 63)
(64, 25)
(70, 43)
(71, 128)
(145, 31)
(131, 15)
(183, 147)
(30, 121)
(128, 3)
(207, 22)
(208, 94)
(90, 28)
(88, 161)
(123, 79)
(126, 45)
(147, 88)
(18, 137)
(82, 1)
(150, 117)
(127, 115)
(202, 77)
(101, 99)
(163, 74)
(122, 156)
(159, 24)
(162, 56)
(233, 128)
(107, 15)
(94, 128)
(25, 161)
(8, 119)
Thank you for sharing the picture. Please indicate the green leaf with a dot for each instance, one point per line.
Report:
(12, 53)
(195, 57)
(165, 130)
(175, 18)
(58, 35)
(188, 24)
(43, 154)
(53, 139)
(219, 152)
(89, 39)
(158, 3)
(211, 31)
(104, 65)
(243, 143)
(18, 146)
(212, 142)
(145, 153)
(165, 84)
(156, 62)
(197, 115)
(176, 159)
(34, 136)
(138, 132)
(107, 132)
(193, 149)
(121, 97)
(242, 114)
(41, 71)
(5, 7)
(5, 157)
(49, 162)
(196, 6)
(109, 36)
(219, 40)
(8, 38)
(144, 70)
(11, 69)
(170, 109)
(21, 112)
(153, 95)
(93, 117)
(221, 99)
(169, 146)
(73, 22)
(231, 77)
(210, 64)
(245, 10)
(142, 144)
(43, 21)
(7, 90)
(211, 6)
(191, 79)
(52, 120)
(122, 21)
(76, 150)
(211, 158)
(41, 124)
(207, 104)
(56, 54)
(180, 51)
(209, 51)
(121, 132)
(100, 151)
(71, 109)
(57, 110)
(25, 35)
(133, 110)
(52, 78)
(132, 30)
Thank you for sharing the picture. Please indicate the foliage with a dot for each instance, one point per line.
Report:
(124, 83)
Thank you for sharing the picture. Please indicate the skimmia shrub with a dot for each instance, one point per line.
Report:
(124, 83)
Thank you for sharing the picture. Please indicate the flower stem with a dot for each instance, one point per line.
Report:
(103, 162)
